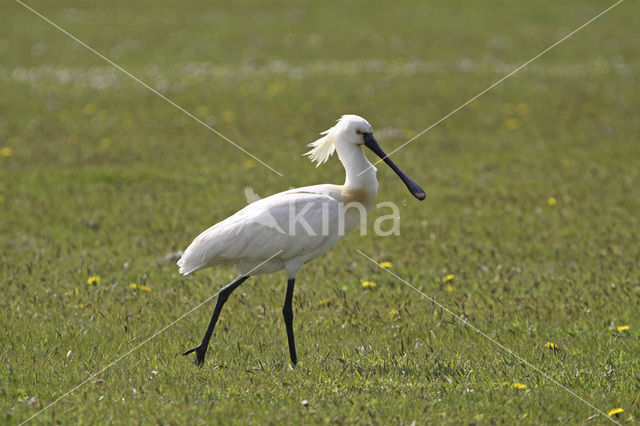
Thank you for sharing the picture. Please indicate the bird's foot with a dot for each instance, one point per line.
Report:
(200, 353)
(293, 365)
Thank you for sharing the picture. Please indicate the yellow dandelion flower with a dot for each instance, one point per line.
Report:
(515, 385)
(6, 152)
(448, 288)
(393, 313)
(93, 280)
(323, 301)
(386, 264)
(250, 163)
(622, 327)
(615, 411)
(229, 116)
(552, 201)
(90, 108)
(134, 286)
(368, 284)
(551, 345)
(105, 142)
(144, 288)
(512, 123)
(448, 277)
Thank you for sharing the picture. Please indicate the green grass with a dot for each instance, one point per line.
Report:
(105, 178)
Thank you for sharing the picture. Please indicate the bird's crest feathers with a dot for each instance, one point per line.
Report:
(324, 147)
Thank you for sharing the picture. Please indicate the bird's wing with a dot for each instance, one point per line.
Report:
(293, 223)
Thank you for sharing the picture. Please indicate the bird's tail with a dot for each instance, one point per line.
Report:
(186, 266)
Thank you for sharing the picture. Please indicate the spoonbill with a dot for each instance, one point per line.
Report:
(288, 229)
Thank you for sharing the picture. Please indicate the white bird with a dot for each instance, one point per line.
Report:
(287, 230)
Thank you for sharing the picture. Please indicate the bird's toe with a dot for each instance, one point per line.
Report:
(200, 353)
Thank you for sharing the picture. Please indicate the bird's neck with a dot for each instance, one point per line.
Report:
(360, 173)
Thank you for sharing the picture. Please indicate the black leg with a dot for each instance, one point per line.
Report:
(201, 349)
(287, 312)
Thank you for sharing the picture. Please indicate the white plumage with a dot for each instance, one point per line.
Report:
(261, 230)
(287, 230)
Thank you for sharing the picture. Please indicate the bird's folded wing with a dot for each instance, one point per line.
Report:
(293, 223)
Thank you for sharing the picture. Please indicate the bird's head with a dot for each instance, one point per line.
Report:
(348, 130)
(355, 130)
(351, 128)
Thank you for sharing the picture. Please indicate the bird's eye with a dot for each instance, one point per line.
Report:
(358, 132)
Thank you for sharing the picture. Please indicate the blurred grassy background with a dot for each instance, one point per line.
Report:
(533, 203)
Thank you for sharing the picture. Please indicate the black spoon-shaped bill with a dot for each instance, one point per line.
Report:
(372, 144)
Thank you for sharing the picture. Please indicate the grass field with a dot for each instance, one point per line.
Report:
(533, 200)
